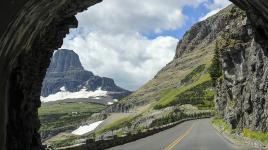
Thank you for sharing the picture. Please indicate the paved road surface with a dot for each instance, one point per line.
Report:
(191, 135)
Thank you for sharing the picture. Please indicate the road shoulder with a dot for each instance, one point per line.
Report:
(237, 139)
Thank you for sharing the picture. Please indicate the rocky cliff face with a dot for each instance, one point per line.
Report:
(204, 32)
(242, 94)
(66, 71)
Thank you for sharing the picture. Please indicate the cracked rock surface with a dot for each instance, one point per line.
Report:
(242, 97)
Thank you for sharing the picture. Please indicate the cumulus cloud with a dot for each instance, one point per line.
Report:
(130, 59)
(111, 41)
(136, 16)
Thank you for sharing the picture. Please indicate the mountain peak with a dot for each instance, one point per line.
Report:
(66, 71)
(65, 60)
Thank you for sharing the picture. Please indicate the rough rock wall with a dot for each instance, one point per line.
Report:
(242, 94)
(32, 31)
(23, 123)
(118, 108)
(204, 32)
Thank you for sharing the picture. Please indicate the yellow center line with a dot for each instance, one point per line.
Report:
(177, 141)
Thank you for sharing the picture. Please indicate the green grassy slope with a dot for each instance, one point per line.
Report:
(247, 133)
(195, 48)
(196, 93)
(181, 77)
(177, 77)
(186, 79)
(63, 116)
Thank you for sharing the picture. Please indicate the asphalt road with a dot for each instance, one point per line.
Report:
(190, 135)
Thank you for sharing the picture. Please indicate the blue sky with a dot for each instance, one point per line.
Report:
(130, 40)
(193, 15)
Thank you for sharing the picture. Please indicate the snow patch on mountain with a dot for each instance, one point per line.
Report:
(83, 93)
(86, 129)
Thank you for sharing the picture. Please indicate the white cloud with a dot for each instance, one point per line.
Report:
(110, 39)
(130, 59)
(131, 15)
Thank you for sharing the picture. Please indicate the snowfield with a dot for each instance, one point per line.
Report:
(86, 129)
(83, 93)
(110, 103)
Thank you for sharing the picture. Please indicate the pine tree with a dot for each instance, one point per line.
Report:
(215, 70)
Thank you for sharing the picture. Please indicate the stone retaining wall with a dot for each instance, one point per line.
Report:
(115, 141)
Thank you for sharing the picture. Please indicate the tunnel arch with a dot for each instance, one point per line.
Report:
(30, 31)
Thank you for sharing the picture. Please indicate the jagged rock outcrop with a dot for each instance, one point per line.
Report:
(118, 108)
(66, 71)
(203, 32)
(242, 94)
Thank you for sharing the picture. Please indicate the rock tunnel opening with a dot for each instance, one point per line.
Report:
(30, 32)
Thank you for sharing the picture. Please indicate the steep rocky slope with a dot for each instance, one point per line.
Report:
(185, 80)
(242, 94)
(66, 73)
(194, 49)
